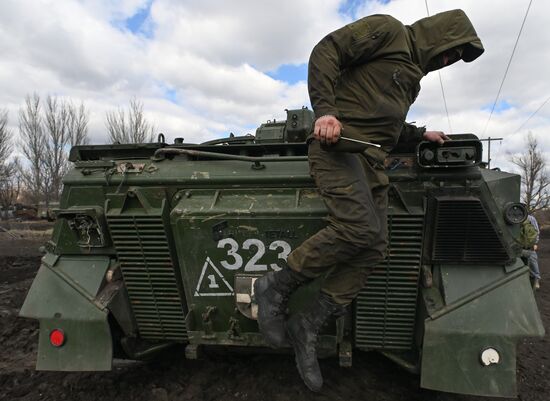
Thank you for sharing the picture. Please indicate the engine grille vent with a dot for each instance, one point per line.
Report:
(149, 276)
(386, 307)
(464, 233)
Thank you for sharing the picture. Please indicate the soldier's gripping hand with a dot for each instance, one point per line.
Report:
(327, 129)
(436, 136)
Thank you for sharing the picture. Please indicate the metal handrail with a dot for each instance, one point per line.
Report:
(160, 153)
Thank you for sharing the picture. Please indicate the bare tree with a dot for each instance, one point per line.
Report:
(129, 126)
(535, 180)
(5, 137)
(47, 133)
(10, 184)
(5, 167)
(56, 124)
(78, 125)
(32, 145)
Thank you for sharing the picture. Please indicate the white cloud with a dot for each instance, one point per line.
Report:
(214, 55)
(259, 33)
(113, 10)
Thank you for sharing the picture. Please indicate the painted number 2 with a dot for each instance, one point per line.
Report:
(235, 261)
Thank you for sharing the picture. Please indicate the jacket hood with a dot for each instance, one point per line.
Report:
(433, 35)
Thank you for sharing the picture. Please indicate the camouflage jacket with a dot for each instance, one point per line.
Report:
(368, 73)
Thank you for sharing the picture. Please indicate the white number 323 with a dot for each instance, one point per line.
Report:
(234, 261)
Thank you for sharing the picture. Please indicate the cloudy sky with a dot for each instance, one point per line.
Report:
(206, 68)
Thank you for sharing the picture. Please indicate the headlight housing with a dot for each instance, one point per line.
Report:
(515, 213)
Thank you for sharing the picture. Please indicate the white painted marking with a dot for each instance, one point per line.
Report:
(251, 266)
(232, 252)
(213, 282)
(234, 260)
(286, 249)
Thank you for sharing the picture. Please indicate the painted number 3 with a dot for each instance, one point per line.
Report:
(234, 260)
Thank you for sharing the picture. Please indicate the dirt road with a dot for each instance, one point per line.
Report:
(220, 376)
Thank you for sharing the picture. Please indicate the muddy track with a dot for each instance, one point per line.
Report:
(221, 376)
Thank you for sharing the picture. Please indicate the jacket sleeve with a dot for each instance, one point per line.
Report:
(353, 44)
(411, 133)
(535, 224)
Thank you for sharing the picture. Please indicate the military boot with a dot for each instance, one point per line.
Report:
(303, 330)
(271, 294)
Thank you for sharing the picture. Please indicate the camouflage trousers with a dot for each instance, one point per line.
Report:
(355, 192)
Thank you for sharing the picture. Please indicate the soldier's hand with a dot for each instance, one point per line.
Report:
(327, 129)
(436, 136)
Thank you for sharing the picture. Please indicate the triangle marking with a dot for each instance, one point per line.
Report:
(213, 283)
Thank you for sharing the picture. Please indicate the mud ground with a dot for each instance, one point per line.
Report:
(219, 376)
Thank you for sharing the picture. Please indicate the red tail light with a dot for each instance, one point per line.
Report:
(57, 337)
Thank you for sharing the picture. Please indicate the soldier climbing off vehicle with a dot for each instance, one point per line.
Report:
(362, 80)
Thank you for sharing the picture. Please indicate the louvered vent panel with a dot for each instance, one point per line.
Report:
(464, 233)
(149, 276)
(386, 307)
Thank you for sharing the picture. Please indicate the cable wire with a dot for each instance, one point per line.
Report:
(441, 82)
(532, 115)
(508, 66)
(445, 102)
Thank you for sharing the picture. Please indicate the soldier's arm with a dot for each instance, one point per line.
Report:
(535, 224)
(411, 134)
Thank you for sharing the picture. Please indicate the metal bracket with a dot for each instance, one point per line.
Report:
(234, 332)
(244, 295)
(207, 322)
(258, 166)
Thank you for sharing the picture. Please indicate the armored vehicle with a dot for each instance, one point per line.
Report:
(158, 244)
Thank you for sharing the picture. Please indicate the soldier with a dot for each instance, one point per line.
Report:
(529, 239)
(362, 79)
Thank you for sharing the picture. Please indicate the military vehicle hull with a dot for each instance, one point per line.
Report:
(160, 244)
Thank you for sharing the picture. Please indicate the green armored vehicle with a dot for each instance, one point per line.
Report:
(159, 244)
